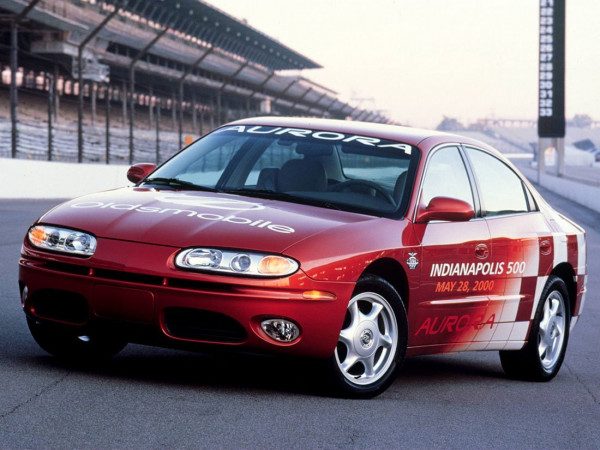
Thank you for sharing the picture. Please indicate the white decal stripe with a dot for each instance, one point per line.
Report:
(478, 346)
(503, 331)
(581, 254)
(519, 331)
(496, 345)
(560, 248)
(512, 298)
(486, 333)
(532, 257)
(541, 282)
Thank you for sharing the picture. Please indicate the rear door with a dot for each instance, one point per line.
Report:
(522, 244)
(451, 307)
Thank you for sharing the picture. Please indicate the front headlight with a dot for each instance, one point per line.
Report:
(62, 240)
(236, 262)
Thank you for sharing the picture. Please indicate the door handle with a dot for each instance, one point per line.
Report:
(482, 251)
(545, 247)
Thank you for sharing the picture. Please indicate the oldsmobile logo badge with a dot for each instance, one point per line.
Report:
(412, 261)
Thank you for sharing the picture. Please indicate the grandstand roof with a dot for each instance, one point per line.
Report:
(218, 28)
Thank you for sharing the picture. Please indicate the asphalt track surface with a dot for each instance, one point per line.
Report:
(150, 397)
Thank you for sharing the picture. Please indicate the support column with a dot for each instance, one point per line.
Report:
(174, 112)
(124, 101)
(150, 108)
(50, 80)
(559, 146)
(157, 133)
(180, 117)
(194, 113)
(93, 92)
(219, 106)
(13, 89)
(201, 120)
(107, 123)
(56, 96)
(131, 114)
(543, 144)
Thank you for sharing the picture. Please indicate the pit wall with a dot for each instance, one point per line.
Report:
(20, 178)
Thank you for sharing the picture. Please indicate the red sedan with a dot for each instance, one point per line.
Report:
(359, 244)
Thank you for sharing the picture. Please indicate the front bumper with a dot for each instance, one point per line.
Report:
(133, 286)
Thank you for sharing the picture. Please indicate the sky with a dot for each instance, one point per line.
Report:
(420, 60)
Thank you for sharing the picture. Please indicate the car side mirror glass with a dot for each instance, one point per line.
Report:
(445, 208)
(138, 172)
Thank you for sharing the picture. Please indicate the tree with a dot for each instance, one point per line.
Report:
(450, 124)
(582, 121)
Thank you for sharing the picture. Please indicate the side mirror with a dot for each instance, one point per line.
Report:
(445, 208)
(138, 172)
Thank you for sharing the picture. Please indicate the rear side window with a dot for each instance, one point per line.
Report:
(447, 177)
(501, 190)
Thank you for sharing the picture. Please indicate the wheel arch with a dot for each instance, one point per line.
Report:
(392, 271)
(565, 272)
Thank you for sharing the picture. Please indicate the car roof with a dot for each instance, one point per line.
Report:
(407, 135)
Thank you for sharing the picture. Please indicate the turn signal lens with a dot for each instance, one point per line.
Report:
(37, 236)
(236, 262)
(318, 295)
(62, 240)
(276, 265)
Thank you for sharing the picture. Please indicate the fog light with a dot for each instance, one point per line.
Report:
(280, 329)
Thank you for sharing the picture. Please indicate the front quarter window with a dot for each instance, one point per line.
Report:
(447, 176)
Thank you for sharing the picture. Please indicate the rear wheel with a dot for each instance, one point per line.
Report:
(78, 347)
(542, 356)
(372, 341)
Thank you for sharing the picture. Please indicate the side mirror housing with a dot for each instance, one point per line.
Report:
(445, 208)
(138, 172)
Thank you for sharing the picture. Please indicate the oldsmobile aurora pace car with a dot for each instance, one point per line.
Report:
(356, 243)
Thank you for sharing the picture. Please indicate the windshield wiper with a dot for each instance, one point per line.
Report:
(176, 182)
(275, 195)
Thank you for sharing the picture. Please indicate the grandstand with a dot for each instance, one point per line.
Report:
(152, 73)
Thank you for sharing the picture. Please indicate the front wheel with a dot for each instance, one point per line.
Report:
(372, 342)
(68, 345)
(542, 356)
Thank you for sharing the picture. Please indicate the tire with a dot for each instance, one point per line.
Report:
(533, 363)
(372, 341)
(73, 347)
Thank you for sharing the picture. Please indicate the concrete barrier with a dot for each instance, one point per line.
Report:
(20, 178)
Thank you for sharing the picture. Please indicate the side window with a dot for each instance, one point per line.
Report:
(447, 177)
(502, 191)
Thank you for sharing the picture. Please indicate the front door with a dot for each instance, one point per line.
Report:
(456, 271)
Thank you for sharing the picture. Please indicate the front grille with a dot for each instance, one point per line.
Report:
(201, 325)
(132, 277)
(57, 304)
(129, 276)
(68, 268)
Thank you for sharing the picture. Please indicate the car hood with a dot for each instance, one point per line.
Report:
(186, 219)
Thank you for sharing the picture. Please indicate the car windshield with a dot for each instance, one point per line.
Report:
(323, 168)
